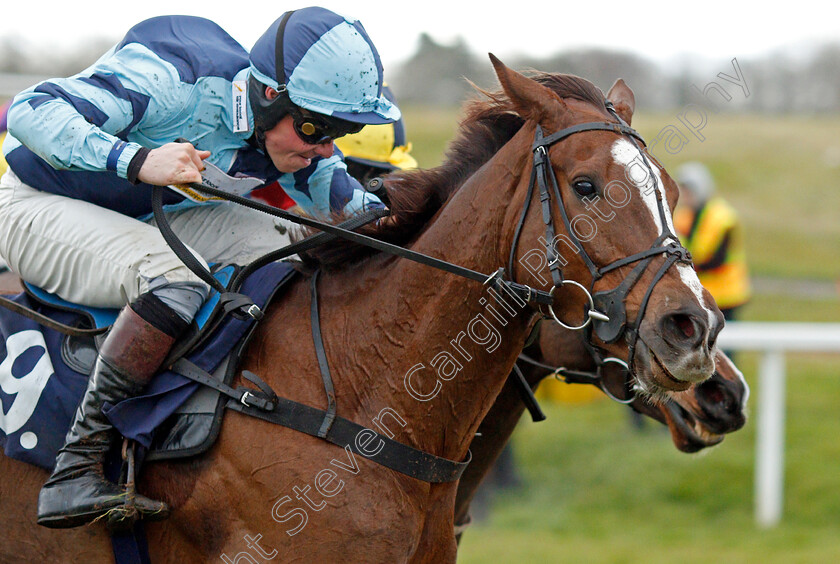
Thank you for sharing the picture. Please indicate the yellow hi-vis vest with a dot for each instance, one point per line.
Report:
(714, 237)
(3, 165)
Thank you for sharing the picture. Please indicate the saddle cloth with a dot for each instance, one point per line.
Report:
(43, 375)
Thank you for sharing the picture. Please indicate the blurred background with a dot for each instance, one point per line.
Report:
(592, 486)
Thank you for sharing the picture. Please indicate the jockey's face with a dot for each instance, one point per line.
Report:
(290, 153)
(287, 150)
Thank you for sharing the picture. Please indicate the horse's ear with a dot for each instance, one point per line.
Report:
(528, 96)
(622, 98)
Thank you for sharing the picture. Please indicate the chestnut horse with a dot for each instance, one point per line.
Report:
(423, 347)
(697, 418)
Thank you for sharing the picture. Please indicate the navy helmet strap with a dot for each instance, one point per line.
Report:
(279, 56)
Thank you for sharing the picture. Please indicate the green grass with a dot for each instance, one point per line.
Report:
(596, 491)
(429, 130)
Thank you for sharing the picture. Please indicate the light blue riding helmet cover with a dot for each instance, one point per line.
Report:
(331, 66)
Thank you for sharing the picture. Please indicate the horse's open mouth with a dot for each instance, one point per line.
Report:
(654, 376)
(665, 374)
(688, 433)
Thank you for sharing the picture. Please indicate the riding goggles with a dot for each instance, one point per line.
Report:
(316, 129)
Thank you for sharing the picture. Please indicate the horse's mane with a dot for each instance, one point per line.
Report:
(416, 195)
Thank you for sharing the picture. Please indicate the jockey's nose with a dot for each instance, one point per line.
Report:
(325, 150)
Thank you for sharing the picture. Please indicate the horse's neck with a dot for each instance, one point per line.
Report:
(440, 346)
(555, 347)
(492, 436)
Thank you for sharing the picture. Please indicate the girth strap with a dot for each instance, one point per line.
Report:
(266, 405)
(345, 433)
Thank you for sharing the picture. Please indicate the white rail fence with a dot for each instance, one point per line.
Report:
(773, 340)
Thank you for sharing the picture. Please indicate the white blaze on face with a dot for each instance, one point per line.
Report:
(638, 174)
(626, 154)
(689, 278)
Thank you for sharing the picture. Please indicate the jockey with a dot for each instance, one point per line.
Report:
(75, 211)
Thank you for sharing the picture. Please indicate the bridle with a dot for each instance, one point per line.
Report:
(593, 378)
(606, 311)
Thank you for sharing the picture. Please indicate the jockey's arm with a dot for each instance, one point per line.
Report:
(73, 123)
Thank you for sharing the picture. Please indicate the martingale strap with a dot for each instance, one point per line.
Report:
(321, 355)
(337, 430)
(526, 394)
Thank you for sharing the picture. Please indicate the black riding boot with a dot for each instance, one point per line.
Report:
(77, 491)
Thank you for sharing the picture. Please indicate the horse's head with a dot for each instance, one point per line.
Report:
(597, 228)
(701, 415)
(698, 417)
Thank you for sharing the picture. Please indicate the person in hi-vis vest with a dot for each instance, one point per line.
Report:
(709, 227)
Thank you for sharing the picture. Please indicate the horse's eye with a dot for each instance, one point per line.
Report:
(584, 187)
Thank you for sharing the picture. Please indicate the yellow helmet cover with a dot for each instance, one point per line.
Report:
(381, 146)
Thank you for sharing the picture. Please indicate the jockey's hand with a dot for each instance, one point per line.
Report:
(173, 163)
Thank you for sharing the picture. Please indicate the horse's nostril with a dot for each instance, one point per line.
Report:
(683, 330)
(685, 325)
(712, 392)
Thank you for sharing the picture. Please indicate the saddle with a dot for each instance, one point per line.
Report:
(44, 374)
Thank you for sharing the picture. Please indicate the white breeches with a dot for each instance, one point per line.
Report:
(94, 256)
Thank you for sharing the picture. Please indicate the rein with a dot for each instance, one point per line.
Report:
(234, 303)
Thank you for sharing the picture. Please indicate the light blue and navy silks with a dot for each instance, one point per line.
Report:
(171, 77)
(39, 392)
